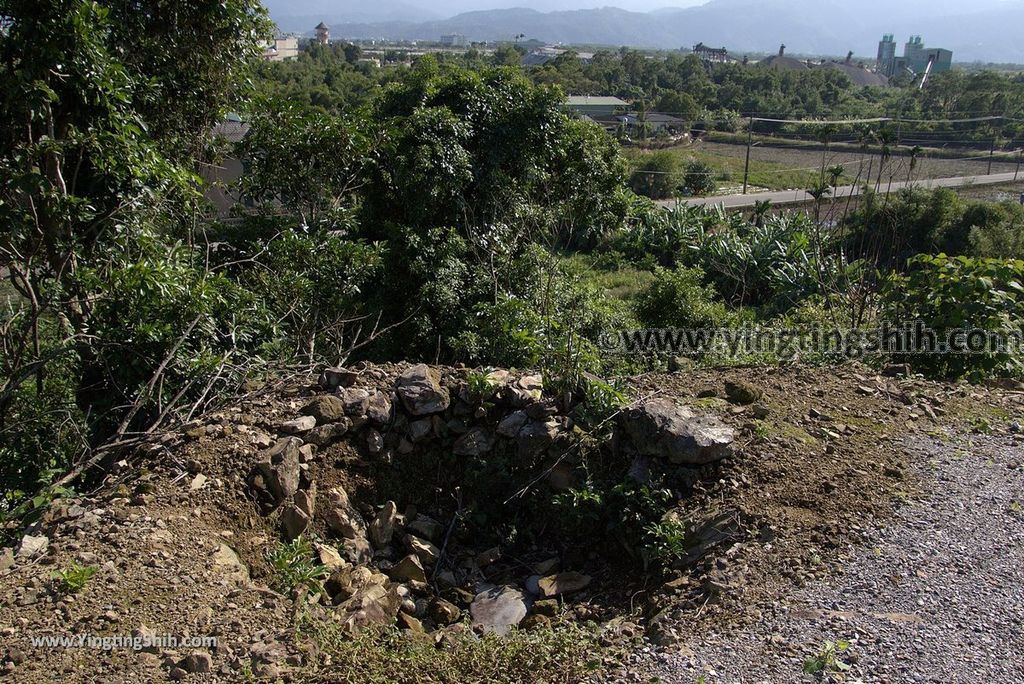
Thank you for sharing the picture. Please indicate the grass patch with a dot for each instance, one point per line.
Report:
(615, 281)
(385, 655)
(784, 430)
(729, 170)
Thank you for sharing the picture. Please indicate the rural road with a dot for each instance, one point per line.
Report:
(800, 196)
(934, 595)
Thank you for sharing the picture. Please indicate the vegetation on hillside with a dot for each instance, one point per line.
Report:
(450, 211)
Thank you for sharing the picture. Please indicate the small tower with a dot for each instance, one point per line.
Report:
(323, 33)
(782, 50)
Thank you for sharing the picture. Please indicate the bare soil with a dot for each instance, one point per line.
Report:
(818, 459)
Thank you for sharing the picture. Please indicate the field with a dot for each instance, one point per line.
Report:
(786, 168)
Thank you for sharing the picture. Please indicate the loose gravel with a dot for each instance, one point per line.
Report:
(936, 595)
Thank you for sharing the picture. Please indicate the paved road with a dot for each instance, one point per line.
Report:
(936, 595)
(800, 196)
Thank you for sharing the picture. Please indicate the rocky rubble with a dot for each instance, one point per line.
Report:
(379, 468)
(401, 564)
(389, 471)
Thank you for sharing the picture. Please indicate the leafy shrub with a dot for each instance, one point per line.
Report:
(996, 231)
(961, 293)
(656, 175)
(917, 221)
(287, 271)
(680, 299)
(665, 542)
(828, 659)
(657, 236)
(698, 178)
(755, 263)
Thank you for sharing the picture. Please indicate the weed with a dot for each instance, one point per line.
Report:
(479, 386)
(665, 542)
(74, 577)
(827, 659)
(601, 401)
(294, 567)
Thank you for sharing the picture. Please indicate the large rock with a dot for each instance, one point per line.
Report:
(345, 580)
(427, 552)
(33, 546)
(227, 562)
(511, 424)
(277, 472)
(294, 521)
(443, 612)
(476, 442)
(378, 409)
(297, 426)
(356, 401)
(326, 408)
(425, 527)
(742, 392)
(562, 583)
(305, 500)
(420, 430)
(536, 436)
(520, 393)
(198, 662)
(333, 378)
(341, 517)
(374, 604)
(329, 557)
(383, 526)
(661, 428)
(325, 435)
(6, 558)
(409, 569)
(420, 391)
(498, 609)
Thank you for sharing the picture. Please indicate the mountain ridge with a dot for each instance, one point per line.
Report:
(805, 26)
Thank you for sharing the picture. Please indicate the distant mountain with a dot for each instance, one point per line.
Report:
(302, 16)
(975, 31)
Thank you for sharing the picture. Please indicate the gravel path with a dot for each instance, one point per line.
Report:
(935, 596)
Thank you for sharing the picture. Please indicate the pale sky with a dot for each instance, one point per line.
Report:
(455, 6)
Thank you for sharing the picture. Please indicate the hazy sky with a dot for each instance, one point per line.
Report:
(455, 6)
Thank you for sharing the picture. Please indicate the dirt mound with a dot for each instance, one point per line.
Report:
(427, 495)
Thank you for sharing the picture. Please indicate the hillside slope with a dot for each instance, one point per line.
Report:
(390, 488)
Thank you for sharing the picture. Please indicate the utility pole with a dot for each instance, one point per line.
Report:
(746, 166)
(1016, 172)
(991, 152)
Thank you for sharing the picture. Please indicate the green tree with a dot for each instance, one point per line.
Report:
(698, 178)
(679, 104)
(478, 150)
(308, 161)
(656, 175)
(104, 106)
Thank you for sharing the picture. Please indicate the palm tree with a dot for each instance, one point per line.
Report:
(825, 134)
(834, 174)
(761, 208)
(819, 190)
(886, 137)
(915, 152)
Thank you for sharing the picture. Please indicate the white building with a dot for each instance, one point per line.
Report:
(281, 49)
(454, 40)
